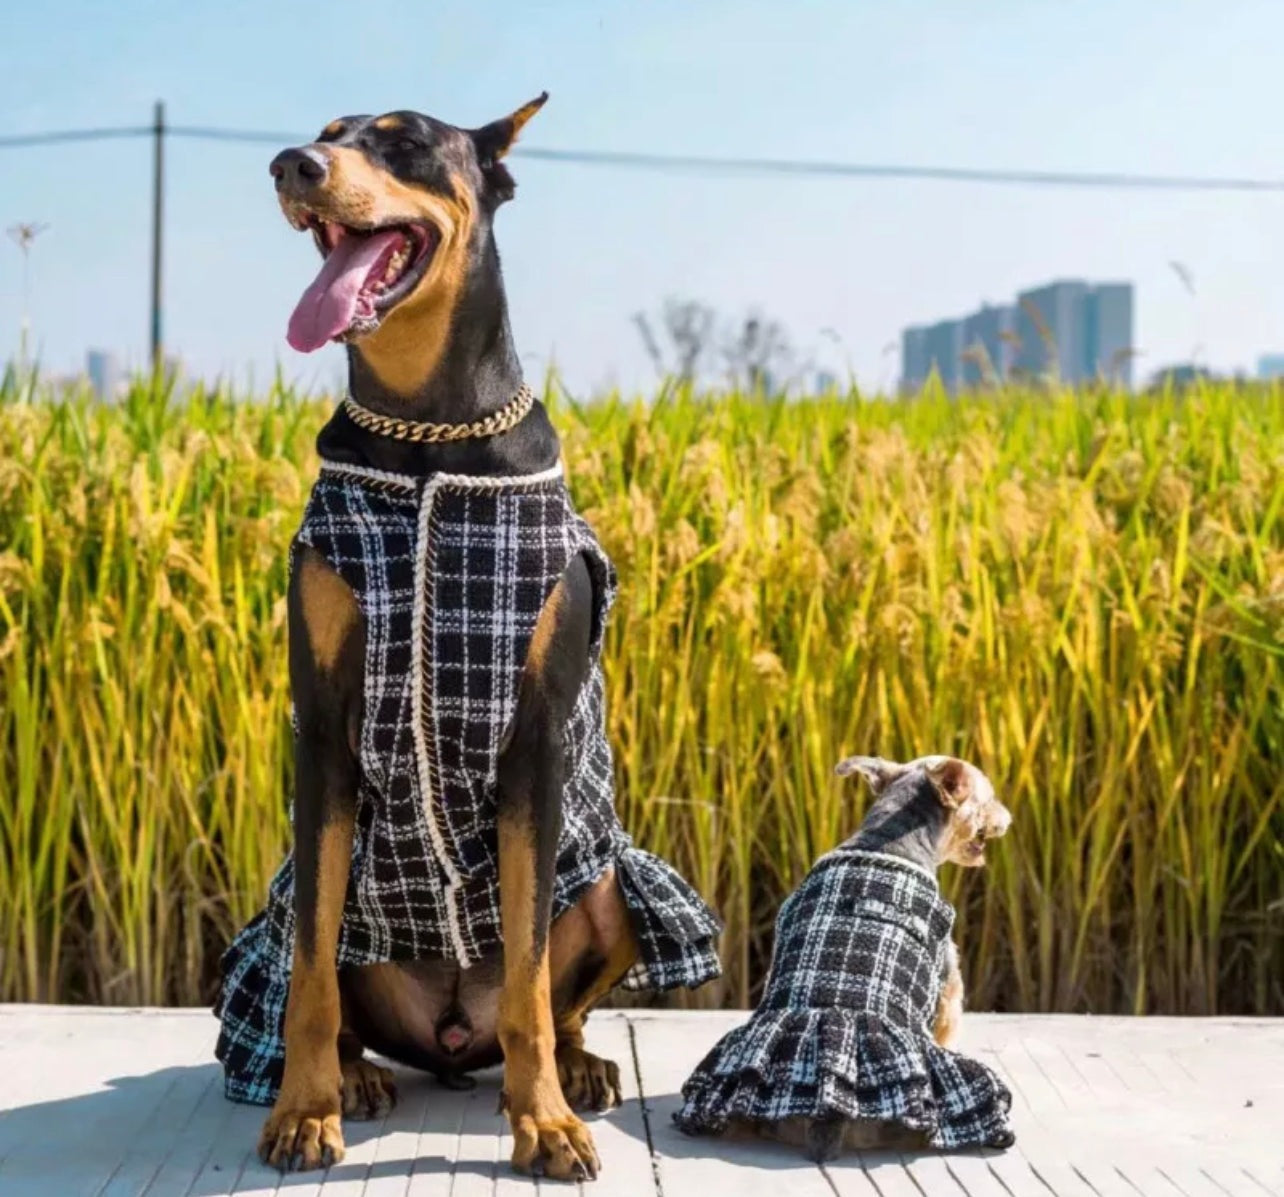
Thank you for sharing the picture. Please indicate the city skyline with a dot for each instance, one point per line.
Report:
(107, 376)
(1068, 329)
(993, 342)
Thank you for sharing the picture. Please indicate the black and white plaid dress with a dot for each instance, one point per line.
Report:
(845, 1024)
(451, 573)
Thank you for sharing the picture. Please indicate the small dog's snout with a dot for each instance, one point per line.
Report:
(299, 169)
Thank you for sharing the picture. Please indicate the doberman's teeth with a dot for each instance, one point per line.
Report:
(395, 265)
(297, 215)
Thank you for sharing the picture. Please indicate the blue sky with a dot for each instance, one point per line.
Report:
(1178, 86)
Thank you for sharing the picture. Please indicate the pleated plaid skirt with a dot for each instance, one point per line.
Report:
(451, 574)
(845, 1024)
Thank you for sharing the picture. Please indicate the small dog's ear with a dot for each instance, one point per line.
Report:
(878, 772)
(950, 777)
(493, 141)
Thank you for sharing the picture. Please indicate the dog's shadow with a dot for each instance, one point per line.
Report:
(173, 1130)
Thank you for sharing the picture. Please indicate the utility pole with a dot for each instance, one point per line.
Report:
(22, 236)
(158, 212)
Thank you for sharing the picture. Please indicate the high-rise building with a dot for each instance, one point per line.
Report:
(914, 367)
(1109, 341)
(1069, 330)
(1076, 332)
(988, 337)
(1052, 331)
(104, 374)
(935, 347)
(945, 352)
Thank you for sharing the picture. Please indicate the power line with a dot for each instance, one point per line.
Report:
(66, 135)
(712, 165)
(205, 133)
(940, 173)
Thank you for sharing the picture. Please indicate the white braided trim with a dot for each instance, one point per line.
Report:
(422, 763)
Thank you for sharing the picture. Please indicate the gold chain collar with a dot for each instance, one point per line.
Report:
(508, 416)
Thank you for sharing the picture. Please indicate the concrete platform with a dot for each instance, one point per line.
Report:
(104, 1103)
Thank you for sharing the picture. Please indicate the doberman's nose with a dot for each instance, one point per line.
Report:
(298, 170)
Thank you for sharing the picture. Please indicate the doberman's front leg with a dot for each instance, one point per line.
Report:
(327, 647)
(547, 1137)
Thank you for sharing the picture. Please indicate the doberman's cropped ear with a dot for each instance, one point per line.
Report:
(493, 141)
(878, 772)
(950, 777)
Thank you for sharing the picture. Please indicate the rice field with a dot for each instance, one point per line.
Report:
(1081, 592)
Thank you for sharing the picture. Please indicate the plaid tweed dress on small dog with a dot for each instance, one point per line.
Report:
(844, 1027)
(451, 573)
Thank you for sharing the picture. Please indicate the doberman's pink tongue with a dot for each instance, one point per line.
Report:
(329, 305)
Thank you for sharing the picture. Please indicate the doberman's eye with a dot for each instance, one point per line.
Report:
(407, 145)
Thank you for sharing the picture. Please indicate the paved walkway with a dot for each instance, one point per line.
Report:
(108, 1103)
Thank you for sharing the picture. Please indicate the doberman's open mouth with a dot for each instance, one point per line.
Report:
(365, 273)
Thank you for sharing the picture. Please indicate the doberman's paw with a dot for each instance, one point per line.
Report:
(588, 1082)
(369, 1091)
(300, 1140)
(559, 1147)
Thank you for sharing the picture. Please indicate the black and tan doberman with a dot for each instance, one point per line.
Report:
(401, 207)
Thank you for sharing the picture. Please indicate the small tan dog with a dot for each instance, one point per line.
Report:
(899, 825)
(849, 1047)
